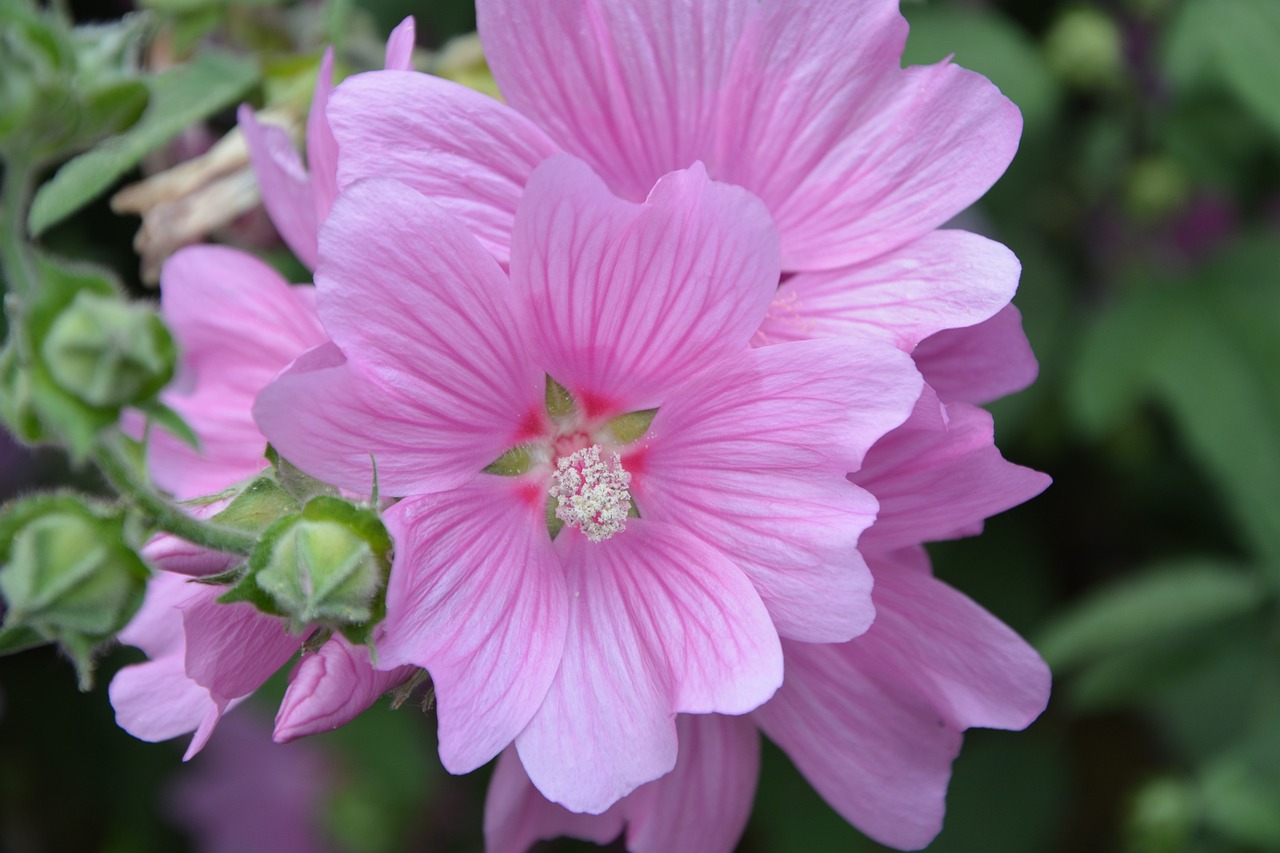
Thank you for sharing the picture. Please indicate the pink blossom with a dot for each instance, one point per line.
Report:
(581, 647)
(805, 104)
(297, 197)
(874, 723)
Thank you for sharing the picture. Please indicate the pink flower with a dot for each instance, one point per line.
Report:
(874, 723)
(805, 104)
(582, 646)
(298, 200)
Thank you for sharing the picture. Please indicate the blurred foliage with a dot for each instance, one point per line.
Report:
(1145, 206)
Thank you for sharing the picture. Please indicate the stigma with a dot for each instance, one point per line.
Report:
(591, 493)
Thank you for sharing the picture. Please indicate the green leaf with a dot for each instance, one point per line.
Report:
(180, 98)
(513, 463)
(1240, 792)
(1145, 609)
(14, 640)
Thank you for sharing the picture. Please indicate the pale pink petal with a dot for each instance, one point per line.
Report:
(921, 147)
(702, 806)
(699, 807)
(972, 668)
(751, 457)
(477, 597)
(878, 752)
(236, 323)
(944, 280)
(659, 623)
(939, 480)
(516, 815)
(155, 701)
(157, 626)
(438, 385)
(286, 187)
(322, 148)
(470, 154)
(804, 105)
(980, 363)
(400, 46)
(627, 299)
(179, 556)
(232, 648)
(330, 688)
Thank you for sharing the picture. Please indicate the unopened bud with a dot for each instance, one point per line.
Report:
(327, 565)
(108, 351)
(67, 575)
(1084, 48)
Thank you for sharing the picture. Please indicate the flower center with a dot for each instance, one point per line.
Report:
(591, 493)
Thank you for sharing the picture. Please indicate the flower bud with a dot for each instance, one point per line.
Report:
(68, 576)
(107, 351)
(327, 565)
(1084, 48)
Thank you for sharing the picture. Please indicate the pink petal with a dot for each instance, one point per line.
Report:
(330, 688)
(236, 323)
(751, 457)
(400, 46)
(516, 815)
(157, 626)
(627, 299)
(470, 154)
(181, 557)
(232, 648)
(805, 106)
(286, 188)
(322, 148)
(940, 480)
(155, 701)
(439, 384)
(980, 363)
(477, 597)
(971, 667)
(659, 623)
(699, 807)
(868, 743)
(944, 280)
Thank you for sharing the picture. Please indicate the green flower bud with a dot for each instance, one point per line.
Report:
(107, 351)
(327, 565)
(68, 576)
(1084, 48)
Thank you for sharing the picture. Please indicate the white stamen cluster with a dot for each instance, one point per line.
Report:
(591, 494)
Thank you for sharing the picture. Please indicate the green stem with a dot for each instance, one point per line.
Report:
(14, 255)
(113, 459)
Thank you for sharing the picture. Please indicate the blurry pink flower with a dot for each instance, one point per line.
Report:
(805, 104)
(582, 646)
(297, 197)
(244, 795)
(237, 324)
(874, 723)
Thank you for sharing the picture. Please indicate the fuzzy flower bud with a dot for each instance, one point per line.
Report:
(326, 565)
(107, 351)
(68, 577)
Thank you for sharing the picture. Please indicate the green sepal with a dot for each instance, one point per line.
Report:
(228, 578)
(171, 422)
(554, 523)
(513, 463)
(295, 481)
(14, 640)
(560, 403)
(259, 505)
(632, 426)
(247, 590)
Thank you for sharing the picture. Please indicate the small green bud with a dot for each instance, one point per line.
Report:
(327, 565)
(107, 351)
(1084, 48)
(68, 575)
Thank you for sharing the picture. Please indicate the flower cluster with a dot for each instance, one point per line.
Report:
(658, 375)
